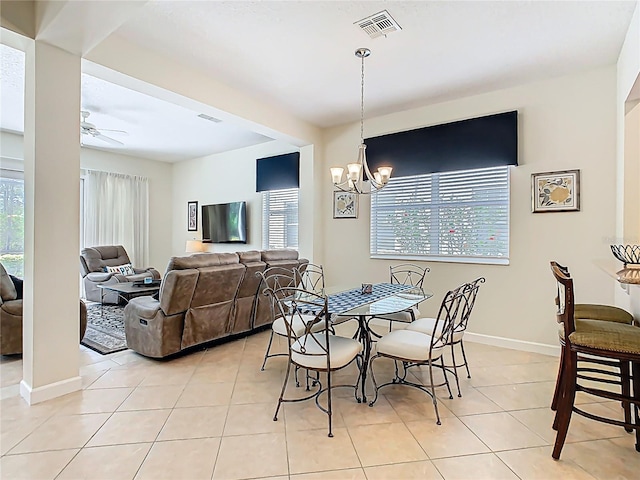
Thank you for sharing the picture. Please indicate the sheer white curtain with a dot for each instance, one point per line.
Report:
(117, 213)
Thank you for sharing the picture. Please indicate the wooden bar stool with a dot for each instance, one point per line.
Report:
(608, 341)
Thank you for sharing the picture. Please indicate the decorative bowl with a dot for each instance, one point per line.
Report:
(629, 255)
(626, 253)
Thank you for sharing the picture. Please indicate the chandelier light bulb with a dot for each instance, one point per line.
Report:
(336, 174)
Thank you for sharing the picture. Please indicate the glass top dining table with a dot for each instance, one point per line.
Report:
(385, 298)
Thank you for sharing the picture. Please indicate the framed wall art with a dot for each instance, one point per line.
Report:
(192, 216)
(555, 191)
(345, 205)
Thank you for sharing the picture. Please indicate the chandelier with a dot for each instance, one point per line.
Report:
(358, 172)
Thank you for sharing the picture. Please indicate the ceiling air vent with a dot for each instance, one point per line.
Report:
(379, 24)
(211, 119)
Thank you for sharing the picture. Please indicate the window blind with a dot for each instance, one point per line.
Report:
(463, 215)
(280, 219)
(279, 172)
(482, 142)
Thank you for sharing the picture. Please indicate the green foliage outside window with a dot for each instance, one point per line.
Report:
(12, 225)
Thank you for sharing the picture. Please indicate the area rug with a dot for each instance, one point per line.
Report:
(105, 329)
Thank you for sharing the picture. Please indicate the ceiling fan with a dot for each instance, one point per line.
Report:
(87, 128)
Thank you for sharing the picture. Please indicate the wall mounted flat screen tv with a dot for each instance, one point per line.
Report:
(224, 223)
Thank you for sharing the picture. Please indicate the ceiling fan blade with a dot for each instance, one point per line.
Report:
(108, 139)
(121, 132)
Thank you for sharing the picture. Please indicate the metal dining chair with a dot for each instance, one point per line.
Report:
(427, 325)
(274, 279)
(313, 348)
(412, 348)
(310, 277)
(404, 274)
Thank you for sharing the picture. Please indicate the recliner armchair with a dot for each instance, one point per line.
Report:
(93, 263)
(11, 314)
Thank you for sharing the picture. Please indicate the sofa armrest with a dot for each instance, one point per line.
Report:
(151, 270)
(143, 307)
(99, 276)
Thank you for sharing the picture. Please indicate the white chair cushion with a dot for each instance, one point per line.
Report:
(407, 345)
(425, 325)
(298, 326)
(403, 316)
(342, 350)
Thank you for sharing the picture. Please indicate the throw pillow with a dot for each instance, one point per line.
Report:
(17, 282)
(126, 269)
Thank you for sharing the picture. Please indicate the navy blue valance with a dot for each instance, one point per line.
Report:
(482, 142)
(279, 172)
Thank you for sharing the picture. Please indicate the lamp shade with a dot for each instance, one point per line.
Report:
(194, 246)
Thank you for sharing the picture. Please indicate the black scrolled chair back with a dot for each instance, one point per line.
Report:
(275, 278)
(470, 291)
(408, 274)
(310, 277)
(450, 310)
(303, 307)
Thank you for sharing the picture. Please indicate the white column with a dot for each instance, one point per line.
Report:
(52, 212)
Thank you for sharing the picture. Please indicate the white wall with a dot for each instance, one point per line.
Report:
(627, 160)
(231, 177)
(565, 123)
(160, 188)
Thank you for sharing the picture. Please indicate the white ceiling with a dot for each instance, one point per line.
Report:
(299, 55)
(154, 128)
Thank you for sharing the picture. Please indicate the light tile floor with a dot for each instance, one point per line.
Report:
(208, 415)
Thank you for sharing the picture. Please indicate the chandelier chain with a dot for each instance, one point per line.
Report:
(362, 102)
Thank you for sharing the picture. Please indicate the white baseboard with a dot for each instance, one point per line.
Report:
(504, 342)
(52, 390)
(523, 345)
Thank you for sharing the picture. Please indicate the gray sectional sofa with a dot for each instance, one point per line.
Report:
(203, 297)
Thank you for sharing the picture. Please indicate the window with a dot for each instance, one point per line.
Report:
(280, 219)
(12, 221)
(449, 216)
